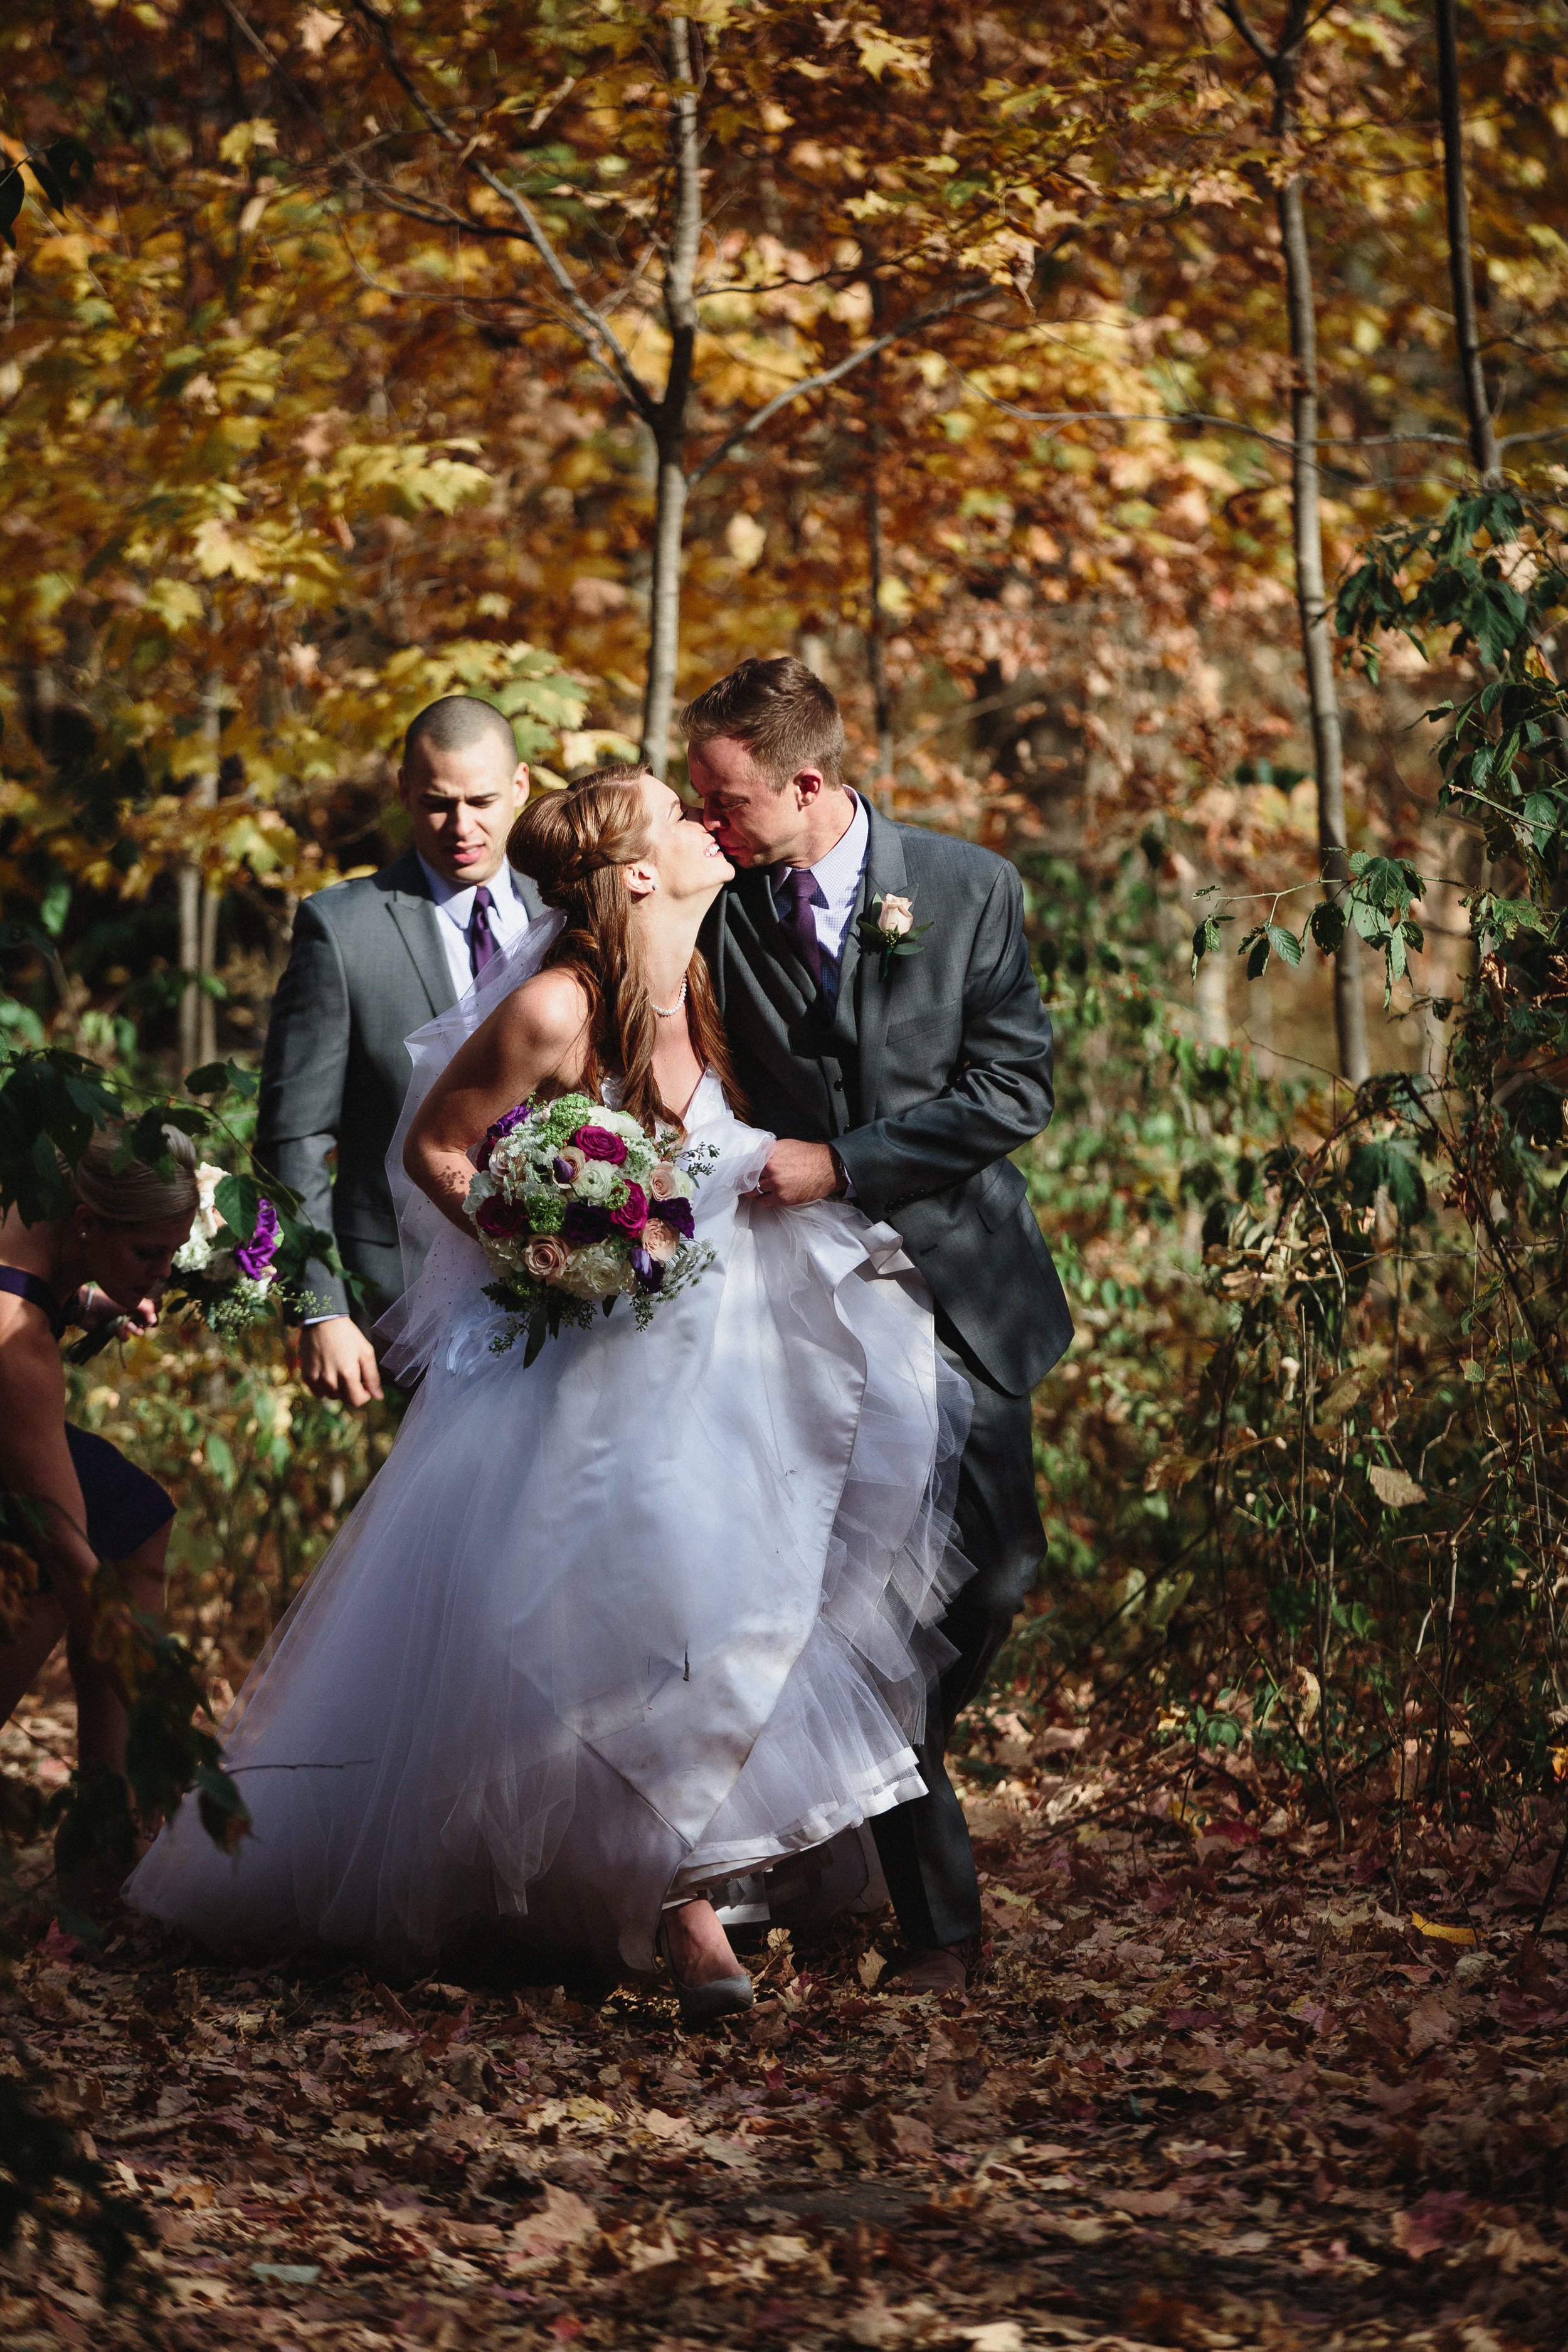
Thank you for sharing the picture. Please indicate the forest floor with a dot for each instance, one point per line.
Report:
(1216, 2085)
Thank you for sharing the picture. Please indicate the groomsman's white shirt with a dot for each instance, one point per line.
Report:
(509, 918)
(837, 879)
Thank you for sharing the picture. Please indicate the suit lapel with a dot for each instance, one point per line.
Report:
(872, 994)
(527, 890)
(767, 953)
(412, 913)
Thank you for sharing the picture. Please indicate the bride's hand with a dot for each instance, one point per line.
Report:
(797, 1173)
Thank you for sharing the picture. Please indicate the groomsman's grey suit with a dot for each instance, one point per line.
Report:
(367, 967)
(923, 1082)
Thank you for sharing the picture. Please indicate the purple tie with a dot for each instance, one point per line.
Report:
(798, 921)
(482, 941)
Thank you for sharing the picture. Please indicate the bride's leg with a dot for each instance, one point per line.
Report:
(699, 1950)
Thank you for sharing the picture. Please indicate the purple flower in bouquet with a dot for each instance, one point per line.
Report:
(648, 1272)
(676, 1215)
(500, 1218)
(503, 1126)
(584, 1223)
(599, 1143)
(254, 1257)
(632, 1214)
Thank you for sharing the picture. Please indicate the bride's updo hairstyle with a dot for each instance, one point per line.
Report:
(575, 843)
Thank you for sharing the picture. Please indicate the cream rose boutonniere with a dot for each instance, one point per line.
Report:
(890, 929)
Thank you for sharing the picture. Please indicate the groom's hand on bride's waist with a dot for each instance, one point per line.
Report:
(798, 1172)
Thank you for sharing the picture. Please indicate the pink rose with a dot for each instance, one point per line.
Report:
(500, 1218)
(661, 1242)
(895, 916)
(661, 1183)
(632, 1214)
(599, 1143)
(545, 1255)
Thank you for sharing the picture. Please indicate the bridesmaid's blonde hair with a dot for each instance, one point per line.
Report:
(135, 1194)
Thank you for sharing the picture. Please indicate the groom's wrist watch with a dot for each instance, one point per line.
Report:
(844, 1189)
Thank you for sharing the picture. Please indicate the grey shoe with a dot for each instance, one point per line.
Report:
(704, 2004)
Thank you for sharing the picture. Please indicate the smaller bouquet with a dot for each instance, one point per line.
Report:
(575, 1207)
(228, 1279)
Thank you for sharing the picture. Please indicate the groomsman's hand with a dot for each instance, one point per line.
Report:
(337, 1360)
(798, 1172)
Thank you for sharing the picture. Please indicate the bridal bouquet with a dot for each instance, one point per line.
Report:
(575, 1207)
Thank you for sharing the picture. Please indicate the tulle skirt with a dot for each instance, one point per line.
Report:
(644, 1615)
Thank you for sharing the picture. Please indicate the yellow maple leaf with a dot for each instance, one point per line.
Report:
(1441, 1934)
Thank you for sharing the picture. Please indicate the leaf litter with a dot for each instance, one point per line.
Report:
(1216, 2086)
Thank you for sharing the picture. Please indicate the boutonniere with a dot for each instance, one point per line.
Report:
(890, 929)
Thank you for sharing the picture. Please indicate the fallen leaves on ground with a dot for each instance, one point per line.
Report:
(1212, 2090)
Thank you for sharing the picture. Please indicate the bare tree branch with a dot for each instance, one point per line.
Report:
(590, 323)
(819, 383)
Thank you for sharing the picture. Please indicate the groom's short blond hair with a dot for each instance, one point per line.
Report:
(780, 711)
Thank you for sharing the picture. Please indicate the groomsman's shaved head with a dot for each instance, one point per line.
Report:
(457, 723)
(780, 711)
(463, 786)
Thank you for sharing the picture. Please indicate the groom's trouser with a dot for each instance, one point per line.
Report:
(925, 1845)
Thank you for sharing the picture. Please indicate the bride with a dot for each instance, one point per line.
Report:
(613, 1627)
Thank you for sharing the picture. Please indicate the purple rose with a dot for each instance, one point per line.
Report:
(254, 1257)
(599, 1143)
(648, 1272)
(500, 1218)
(676, 1215)
(632, 1214)
(504, 1125)
(584, 1223)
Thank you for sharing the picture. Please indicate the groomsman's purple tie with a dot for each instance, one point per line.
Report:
(798, 921)
(482, 941)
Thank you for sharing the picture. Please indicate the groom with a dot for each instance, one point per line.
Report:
(902, 1082)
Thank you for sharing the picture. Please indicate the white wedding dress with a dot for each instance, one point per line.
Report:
(641, 1617)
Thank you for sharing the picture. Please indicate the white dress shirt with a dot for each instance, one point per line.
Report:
(455, 905)
(838, 885)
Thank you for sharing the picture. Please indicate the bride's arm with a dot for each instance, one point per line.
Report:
(536, 1034)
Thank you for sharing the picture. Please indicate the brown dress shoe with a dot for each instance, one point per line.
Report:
(939, 1968)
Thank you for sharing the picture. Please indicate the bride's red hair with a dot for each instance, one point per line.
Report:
(574, 845)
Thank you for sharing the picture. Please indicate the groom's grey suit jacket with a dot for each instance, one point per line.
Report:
(366, 969)
(923, 1082)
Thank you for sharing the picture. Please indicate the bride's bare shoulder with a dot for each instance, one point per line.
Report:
(549, 1010)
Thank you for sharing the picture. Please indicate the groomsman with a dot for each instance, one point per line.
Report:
(373, 960)
(902, 1082)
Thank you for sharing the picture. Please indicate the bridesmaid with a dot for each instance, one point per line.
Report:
(108, 1256)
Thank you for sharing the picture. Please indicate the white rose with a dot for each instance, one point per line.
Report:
(596, 1180)
(895, 916)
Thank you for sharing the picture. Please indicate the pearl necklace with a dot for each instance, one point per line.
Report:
(669, 1011)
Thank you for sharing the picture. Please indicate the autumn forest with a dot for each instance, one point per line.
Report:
(1147, 417)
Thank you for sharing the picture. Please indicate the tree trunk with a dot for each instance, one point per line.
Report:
(876, 639)
(1317, 636)
(669, 432)
(1461, 265)
(199, 907)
